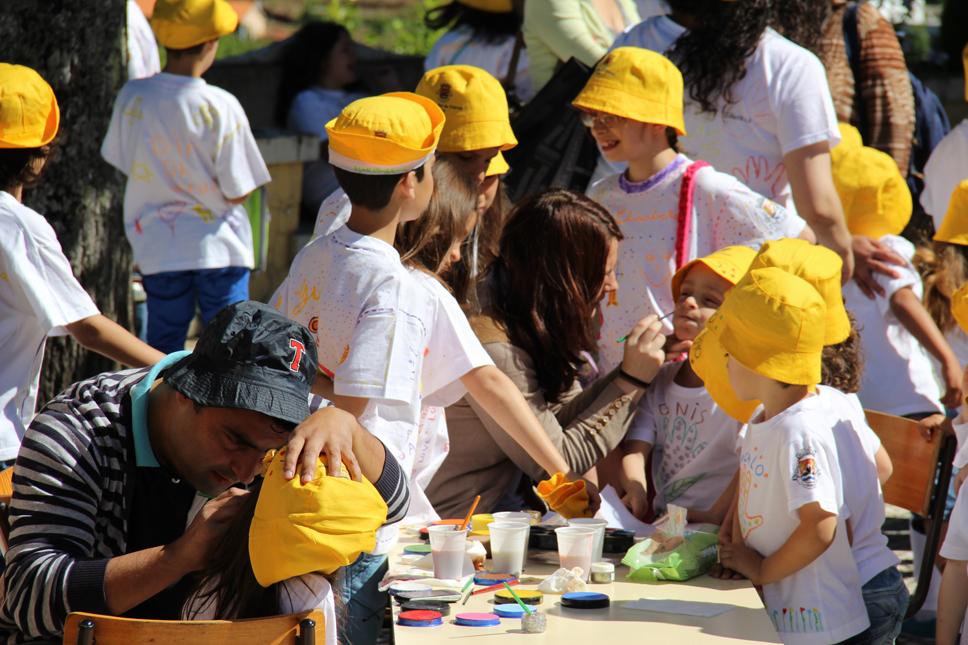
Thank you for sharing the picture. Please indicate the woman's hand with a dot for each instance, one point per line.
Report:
(871, 257)
(326, 431)
(644, 355)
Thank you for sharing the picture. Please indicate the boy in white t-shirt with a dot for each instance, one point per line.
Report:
(897, 332)
(790, 511)
(191, 161)
(694, 440)
(633, 106)
(39, 295)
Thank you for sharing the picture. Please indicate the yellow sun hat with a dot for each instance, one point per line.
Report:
(180, 24)
(489, 6)
(954, 226)
(708, 360)
(385, 135)
(476, 108)
(636, 84)
(730, 263)
(874, 194)
(819, 266)
(321, 525)
(567, 498)
(29, 116)
(959, 307)
(850, 139)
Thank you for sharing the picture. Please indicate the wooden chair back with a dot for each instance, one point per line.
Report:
(6, 493)
(307, 628)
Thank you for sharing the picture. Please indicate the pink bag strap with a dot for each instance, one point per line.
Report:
(684, 227)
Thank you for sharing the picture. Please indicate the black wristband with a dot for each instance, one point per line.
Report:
(637, 382)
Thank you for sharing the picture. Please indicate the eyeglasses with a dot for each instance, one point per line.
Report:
(592, 119)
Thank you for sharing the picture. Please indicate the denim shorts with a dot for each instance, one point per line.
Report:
(364, 603)
(886, 598)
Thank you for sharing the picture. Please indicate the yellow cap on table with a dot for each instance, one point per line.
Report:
(385, 135)
(476, 107)
(567, 498)
(636, 84)
(819, 266)
(29, 116)
(489, 6)
(730, 263)
(954, 226)
(874, 194)
(321, 525)
(180, 24)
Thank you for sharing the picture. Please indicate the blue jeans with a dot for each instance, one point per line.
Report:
(364, 603)
(173, 296)
(886, 599)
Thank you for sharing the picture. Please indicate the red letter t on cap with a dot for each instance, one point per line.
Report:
(297, 359)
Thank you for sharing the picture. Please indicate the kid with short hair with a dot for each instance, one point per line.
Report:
(693, 439)
(791, 512)
(670, 208)
(39, 295)
(190, 161)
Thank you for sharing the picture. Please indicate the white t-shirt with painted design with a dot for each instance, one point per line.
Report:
(333, 213)
(725, 212)
(783, 103)
(39, 297)
(459, 47)
(694, 457)
(955, 545)
(946, 168)
(142, 48)
(186, 149)
(889, 348)
(787, 462)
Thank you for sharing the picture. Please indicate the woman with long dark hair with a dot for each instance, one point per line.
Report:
(556, 263)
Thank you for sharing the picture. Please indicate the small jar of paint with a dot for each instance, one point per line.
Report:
(534, 623)
(603, 573)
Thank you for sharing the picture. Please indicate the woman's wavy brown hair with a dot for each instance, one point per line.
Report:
(842, 365)
(547, 281)
(943, 268)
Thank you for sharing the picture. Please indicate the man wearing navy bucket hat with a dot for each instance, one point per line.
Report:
(108, 470)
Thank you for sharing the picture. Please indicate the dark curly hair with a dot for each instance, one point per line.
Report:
(485, 25)
(842, 365)
(802, 21)
(545, 297)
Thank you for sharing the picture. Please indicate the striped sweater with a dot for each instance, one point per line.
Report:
(69, 510)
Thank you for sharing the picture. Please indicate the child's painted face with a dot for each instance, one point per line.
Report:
(453, 254)
(341, 64)
(700, 294)
(618, 138)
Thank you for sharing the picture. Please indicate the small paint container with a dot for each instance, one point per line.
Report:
(418, 604)
(474, 619)
(420, 619)
(534, 623)
(584, 600)
(487, 579)
(527, 596)
(603, 573)
(509, 611)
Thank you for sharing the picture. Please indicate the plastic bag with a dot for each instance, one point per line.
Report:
(563, 581)
(672, 553)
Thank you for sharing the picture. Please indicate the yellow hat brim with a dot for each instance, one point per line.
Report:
(497, 166)
(708, 359)
(480, 135)
(954, 226)
(176, 30)
(629, 107)
(730, 263)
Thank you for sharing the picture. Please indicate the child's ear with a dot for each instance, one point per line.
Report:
(407, 186)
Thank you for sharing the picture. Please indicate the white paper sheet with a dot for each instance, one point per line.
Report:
(619, 517)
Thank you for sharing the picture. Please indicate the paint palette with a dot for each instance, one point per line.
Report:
(420, 618)
(403, 585)
(584, 600)
(474, 619)
(509, 611)
(487, 579)
(527, 596)
(417, 549)
(419, 604)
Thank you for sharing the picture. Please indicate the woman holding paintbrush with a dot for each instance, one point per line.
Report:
(539, 308)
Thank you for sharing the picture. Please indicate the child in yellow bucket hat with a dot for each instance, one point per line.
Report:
(39, 294)
(792, 536)
(899, 337)
(670, 208)
(280, 552)
(691, 439)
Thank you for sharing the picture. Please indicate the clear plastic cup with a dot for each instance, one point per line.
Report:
(512, 516)
(575, 546)
(599, 526)
(509, 546)
(448, 548)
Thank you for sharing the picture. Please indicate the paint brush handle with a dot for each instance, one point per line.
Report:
(626, 336)
(493, 587)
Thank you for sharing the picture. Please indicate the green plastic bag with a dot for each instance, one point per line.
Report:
(694, 557)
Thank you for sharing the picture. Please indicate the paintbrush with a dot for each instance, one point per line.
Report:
(626, 336)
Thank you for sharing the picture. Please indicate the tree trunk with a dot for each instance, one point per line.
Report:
(78, 48)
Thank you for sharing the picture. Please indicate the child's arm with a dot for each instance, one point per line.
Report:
(632, 475)
(809, 540)
(916, 319)
(884, 466)
(952, 602)
(106, 337)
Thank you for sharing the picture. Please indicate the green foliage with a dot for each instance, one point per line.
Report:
(232, 45)
(401, 31)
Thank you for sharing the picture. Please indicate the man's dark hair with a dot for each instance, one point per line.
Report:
(371, 191)
(15, 166)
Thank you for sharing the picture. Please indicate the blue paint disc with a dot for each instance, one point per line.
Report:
(478, 620)
(488, 579)
(584, 600)
(508, 611)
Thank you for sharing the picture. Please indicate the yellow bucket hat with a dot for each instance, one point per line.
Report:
(476, 108)
(567, 498)
(637, 84)
(959, 307)
(708, 360)
(954, 226)
(180, 24)
(322, 525)
(490, 6)
(874, 194)
(850, 139)
(730, 263)
(819, 266)
(773, 324)
(29, 116)
(385, 135)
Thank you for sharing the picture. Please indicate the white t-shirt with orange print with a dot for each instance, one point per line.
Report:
(725, 212)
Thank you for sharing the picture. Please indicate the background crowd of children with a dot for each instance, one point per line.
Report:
(702, 329)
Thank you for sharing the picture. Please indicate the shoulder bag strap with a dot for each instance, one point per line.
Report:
(684, 227)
